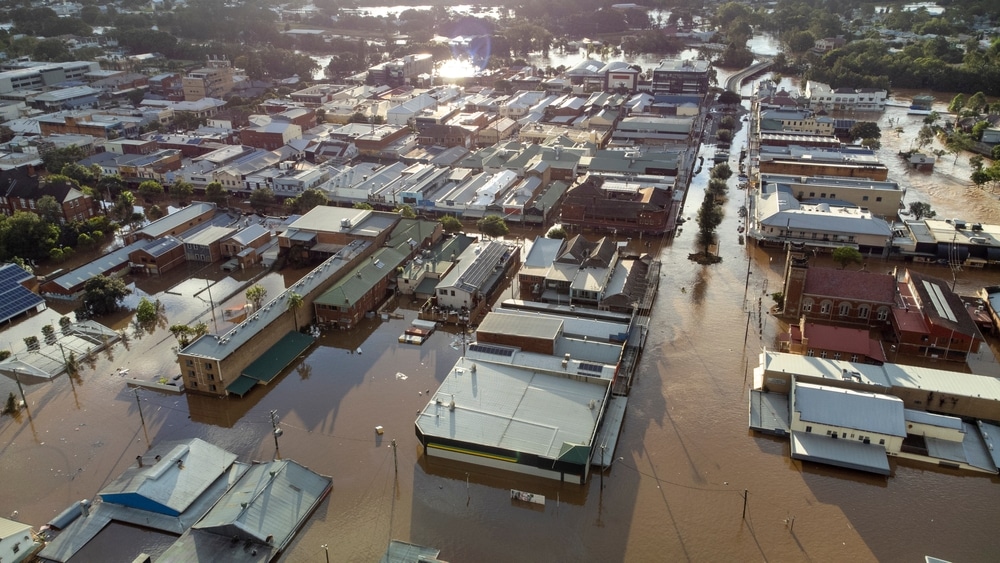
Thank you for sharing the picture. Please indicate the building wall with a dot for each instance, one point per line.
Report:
(349, 315)
(800, 168)
(203, 252)
(892, 444)
(159, 264)
(537, 345)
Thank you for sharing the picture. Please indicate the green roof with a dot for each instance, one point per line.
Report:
(241, 385)
(410, 229)
(359, 281)
(277, 357)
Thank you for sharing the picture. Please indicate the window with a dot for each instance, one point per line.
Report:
(194, 384)
(807, 305)
(878, 199)
(881, 442)
(883, 313)
(822, 354)
(191, 374)
(189, 363)
(811, 353)
(211, 377)
(845, 309)
(825, 307)
(864, 198)
(836, 356)
(809, 428)
(854, 357)
(211, 387)
(863, 311)
(208, 365)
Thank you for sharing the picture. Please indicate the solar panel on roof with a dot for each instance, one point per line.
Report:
(596, 368)
(495, 350)
(17, 300)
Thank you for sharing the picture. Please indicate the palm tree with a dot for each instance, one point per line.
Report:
(295, 303)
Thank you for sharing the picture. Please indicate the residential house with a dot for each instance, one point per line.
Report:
(18, 542)
(24, 196)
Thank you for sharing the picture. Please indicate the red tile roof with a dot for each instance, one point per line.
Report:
(850, 284)
(840, 339)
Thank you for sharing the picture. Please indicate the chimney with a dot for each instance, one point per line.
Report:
(85, 507)
(138, 459)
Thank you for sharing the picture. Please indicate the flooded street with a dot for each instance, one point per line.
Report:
(674, 493)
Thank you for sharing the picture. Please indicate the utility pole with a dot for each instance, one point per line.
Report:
(277, 432)
(17, 378)
(745, 494)
(211, 305)
(142, 419)
(326, 550)
(395, 461)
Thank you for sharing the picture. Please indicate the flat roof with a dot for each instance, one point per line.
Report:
(513, 408)
(523, 326)
(887, 375)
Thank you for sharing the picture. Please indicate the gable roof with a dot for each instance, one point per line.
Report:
(851, 284)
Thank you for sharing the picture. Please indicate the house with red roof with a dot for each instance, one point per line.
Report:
(832, 342)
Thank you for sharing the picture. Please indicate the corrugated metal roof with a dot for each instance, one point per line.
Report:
(184, 471)
(10, 528)
(271, 500)
(98, 267)
(868, 412)
(931, 419)
(513, 408)
(842, 453)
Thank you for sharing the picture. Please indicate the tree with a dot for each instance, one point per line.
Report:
(492, 226)
(150, 190)
(957, 103)
(215, 193)
(721, 171)
(261, 198)
(102, 295)
(728, 98)
(995, 153)
(556, 232)
(26, 235)
(957, 143)
(451, 224)
(147, 311)
(921, 210)
(801, 41)
(313, 197)
(49, 210)
(865, 130)
(256, 295)
(181, 190)
(405, 211)
(846, 255)
(295, 303)
(925, 136)
(154, 212)
(709, 218)
(55, 159)
(871, 144)
(724, 135)
(362, 205)
(717, 187)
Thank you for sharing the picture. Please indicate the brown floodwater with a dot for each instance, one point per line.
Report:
(675, 491)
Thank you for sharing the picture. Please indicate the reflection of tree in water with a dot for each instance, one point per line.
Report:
(304, 370)
(700, 285)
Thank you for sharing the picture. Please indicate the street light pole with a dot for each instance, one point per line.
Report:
(326, 550)
(277, 432)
